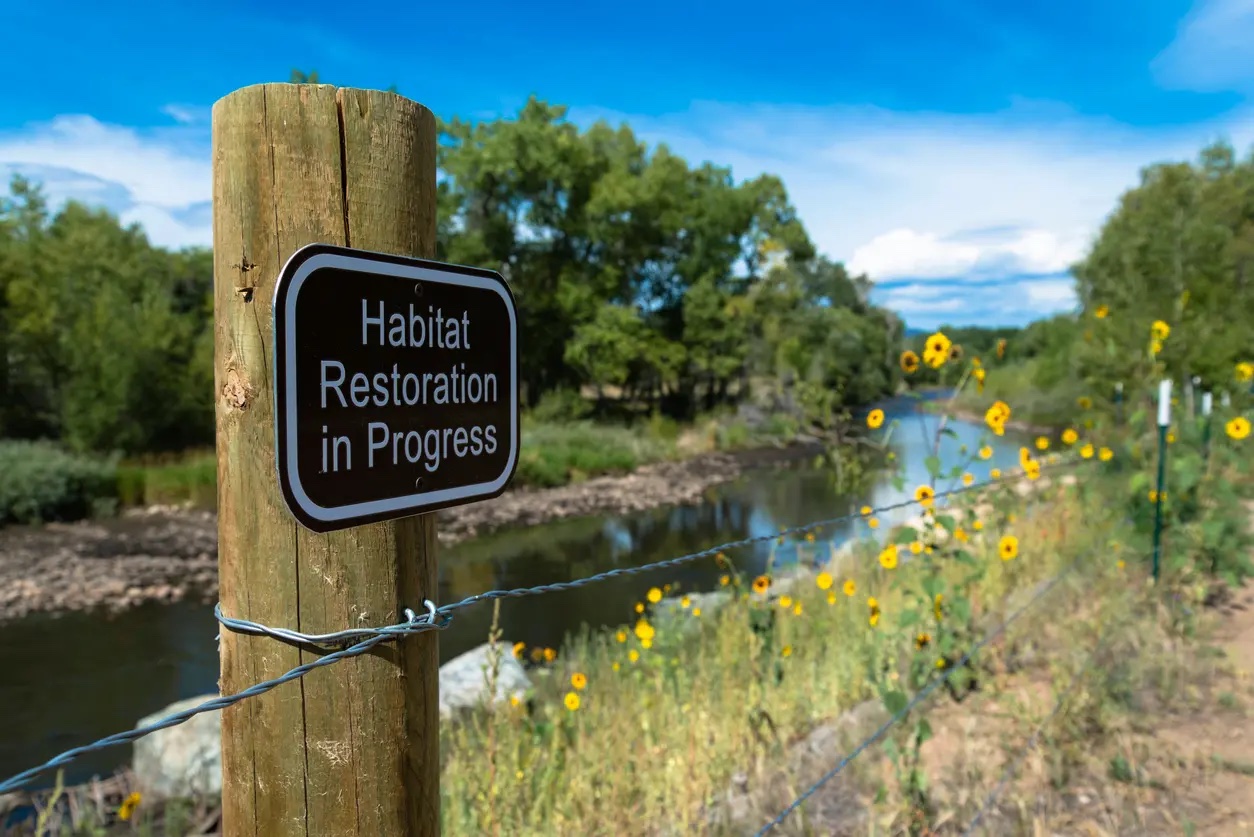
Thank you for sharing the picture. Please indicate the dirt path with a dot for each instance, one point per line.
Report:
(167, 555)
(1163, 746)
(1156, 739)
(1219, 745)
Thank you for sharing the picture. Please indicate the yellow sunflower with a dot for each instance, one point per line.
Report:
(936, 350)
(924, 495)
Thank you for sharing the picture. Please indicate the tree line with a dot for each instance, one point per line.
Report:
(639, 278)
(1177, 253)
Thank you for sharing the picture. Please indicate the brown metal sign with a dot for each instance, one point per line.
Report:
(396, 385)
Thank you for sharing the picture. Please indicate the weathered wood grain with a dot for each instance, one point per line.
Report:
(351, 749)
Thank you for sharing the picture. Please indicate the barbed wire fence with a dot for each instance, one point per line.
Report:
(341, 645)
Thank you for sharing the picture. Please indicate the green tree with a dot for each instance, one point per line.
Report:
(102, 330)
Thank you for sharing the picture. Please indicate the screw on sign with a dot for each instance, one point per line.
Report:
(396, 385)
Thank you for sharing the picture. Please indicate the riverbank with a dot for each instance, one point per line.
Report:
(50, 483)
(967, 412)
(1041, 406)
(169, 554)
(813, 672)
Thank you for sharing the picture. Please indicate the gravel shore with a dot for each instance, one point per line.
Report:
(170, 554)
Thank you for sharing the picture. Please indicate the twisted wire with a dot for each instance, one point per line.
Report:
(622, 572)
(415, 625)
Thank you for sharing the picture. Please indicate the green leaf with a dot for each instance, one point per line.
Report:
(909, 618)
(895, 702)
(890, 750)
(933, 585)
(905, 536)
(924, 732)
(947, 522)
(961, 608)
(1215, 533)
(933, 465)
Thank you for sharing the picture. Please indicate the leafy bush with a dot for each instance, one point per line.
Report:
(192, 479)
(560, 405)
(43, 482)
(1023, 384)
(734, 434)
(559, 453)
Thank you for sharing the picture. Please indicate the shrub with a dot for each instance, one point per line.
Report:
(43, 482)
(560, 405)
(555, 454)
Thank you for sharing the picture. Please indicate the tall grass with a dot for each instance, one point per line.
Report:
(661, 730)
(1015, 383)
(191, 481)
(552, 452)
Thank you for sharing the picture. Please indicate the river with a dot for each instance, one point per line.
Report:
(74, 679)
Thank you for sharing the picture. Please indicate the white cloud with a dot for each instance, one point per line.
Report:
(148, 176)
(1057, 293)
(1008, 301)
(901, 254)
(921, 197)
(869, 182)
(914, 254)
(912, 301)
(941, 198)
(187, 114)
(164, 229)
(1211, 51)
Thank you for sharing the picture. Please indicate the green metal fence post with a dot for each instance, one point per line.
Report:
(1164, 421)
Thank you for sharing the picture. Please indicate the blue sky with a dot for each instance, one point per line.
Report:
(961, 154)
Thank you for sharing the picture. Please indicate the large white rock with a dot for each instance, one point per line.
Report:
(463, 680)
(183, 761)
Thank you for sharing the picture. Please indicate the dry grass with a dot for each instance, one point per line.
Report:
(690, 738)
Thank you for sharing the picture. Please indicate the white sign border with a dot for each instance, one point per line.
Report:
(287, 408)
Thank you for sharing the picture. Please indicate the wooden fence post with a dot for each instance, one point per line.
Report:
(353, 748)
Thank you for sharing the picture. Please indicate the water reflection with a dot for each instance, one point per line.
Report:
(757, 506)
(71, 680)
